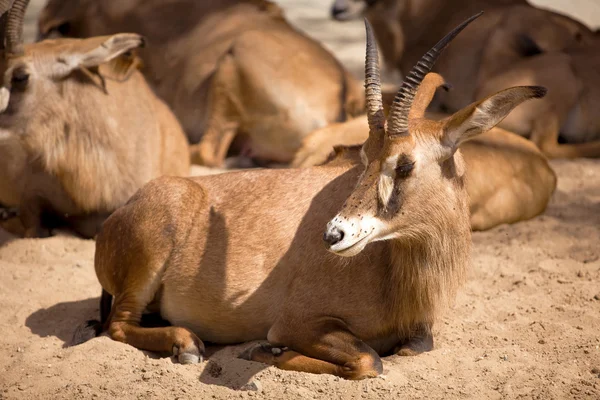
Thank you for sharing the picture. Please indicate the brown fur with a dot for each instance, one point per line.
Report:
(499, 51)
(85, 132)
(226, 68)
(228, 267)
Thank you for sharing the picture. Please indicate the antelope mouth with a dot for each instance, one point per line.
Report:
(349, 249)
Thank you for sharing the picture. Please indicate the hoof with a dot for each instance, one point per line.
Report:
(415, 346)
(192, 355)
(261, 351)
(187, 358)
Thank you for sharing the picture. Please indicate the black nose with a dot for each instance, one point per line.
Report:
(333, 236)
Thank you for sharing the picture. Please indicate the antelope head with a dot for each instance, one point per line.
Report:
(33, 76)
(412, 184)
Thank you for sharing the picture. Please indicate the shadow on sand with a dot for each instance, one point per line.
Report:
(62, 319)
(222, 366)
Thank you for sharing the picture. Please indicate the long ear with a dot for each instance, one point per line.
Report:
(425, 93)
(95, 51)
(482, 116)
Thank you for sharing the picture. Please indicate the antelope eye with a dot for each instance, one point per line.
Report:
(64, 29)
(403, 170)
(20, 77)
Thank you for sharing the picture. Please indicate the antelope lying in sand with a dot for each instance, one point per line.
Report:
(227, 267)
(227, 68)
(569, 110)
(81, 129)
(508, 179)
(514, 43)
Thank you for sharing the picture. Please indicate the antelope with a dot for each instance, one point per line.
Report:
(514, 43)
(82, 130)
(508, 179)
(227, 267)
(227, 68)
(567, 113)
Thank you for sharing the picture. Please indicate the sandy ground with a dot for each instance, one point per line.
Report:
(526, 324)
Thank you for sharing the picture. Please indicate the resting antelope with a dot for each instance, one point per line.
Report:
(514, 43)
(228, 267)
(569, 110)
(82, 131)
(227, 68)
(508, 179)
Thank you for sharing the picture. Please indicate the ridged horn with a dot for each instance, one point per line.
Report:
(5, 6)
(373, 98)
(398, 117)
(14, 28)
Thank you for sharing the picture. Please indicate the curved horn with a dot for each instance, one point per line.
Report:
(5, 6)
(14, 28)
(374, 101)
(398, 118)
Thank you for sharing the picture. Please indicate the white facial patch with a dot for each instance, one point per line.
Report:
(4, 98)
(385, 187)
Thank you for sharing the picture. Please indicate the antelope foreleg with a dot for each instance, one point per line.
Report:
(421, 342)
(326, 349)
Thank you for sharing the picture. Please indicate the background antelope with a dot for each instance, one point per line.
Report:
(228, 267)
(82, 131)
(514, 43)
(565, 124)
(226, 68)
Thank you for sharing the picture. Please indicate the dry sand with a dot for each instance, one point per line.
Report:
(526, 324)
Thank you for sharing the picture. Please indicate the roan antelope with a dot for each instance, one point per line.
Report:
(228, 267)
(508, 179)
(514, 43)
(81, 129)
(228, 69)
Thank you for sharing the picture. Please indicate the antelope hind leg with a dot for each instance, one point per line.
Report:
(133, 250)
(585, 150)
(326, 349)
(124, 327)
(545, 136)
(222, 125)
(213, 147)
